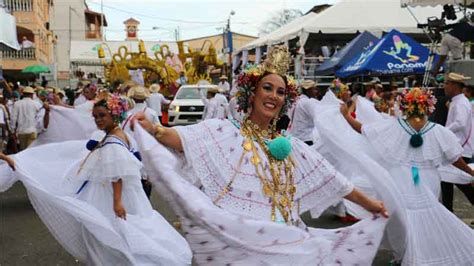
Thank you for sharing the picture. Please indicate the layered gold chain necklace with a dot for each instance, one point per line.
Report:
(280, 189)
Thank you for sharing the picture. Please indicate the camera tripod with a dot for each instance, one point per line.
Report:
(429, 63)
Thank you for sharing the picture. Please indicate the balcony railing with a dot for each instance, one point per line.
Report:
(19, 5)
(23, 54)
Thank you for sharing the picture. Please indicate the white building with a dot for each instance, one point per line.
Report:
(72, 20)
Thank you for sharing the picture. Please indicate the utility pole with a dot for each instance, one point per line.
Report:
(176, 34)
(69, 51)
(102, 20)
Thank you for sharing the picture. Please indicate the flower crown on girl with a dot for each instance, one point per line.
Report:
(416, 102)
(116, 105)
(338, 87)
(277, 62)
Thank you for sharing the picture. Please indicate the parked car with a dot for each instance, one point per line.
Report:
(187, 107)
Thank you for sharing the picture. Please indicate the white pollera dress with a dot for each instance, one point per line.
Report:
(435, 236)
(236, 228)
(78, 208)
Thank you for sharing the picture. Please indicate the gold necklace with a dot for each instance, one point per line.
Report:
(281, 192)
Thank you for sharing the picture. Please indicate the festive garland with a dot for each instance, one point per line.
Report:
(416, 102)
(338, 88)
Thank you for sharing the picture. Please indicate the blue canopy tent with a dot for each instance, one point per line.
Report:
(361, 43)
(394, 54)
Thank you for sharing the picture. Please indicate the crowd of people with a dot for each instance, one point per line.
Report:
(240, 179)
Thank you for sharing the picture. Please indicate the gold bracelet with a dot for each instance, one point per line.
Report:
(159, 131)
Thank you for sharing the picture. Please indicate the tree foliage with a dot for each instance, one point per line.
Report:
(279, 19)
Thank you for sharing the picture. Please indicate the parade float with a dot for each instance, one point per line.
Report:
(163, 65)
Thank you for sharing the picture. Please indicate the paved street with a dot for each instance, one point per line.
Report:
(24, 240)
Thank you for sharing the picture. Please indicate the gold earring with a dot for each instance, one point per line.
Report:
(274, 125)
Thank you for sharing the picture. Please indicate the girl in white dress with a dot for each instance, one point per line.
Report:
(412, 149)
(93, 203)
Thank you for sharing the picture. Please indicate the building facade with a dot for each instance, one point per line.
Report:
(72, 20)
(238, 41)
(34, 35)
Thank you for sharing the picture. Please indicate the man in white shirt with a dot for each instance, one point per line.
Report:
(25, 117)
(81, 98)
(156, 100)
(302, 116)
(224, 85)
(459, 121)
(182, 80)
(25, 43)
(139, 94)
(215, 104)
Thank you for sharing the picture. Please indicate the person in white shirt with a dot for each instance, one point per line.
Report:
(224, 85)
(302, 116)
(81, 98)
(25, 117)
(3, 126)
(5, 118)
(234, 112)
(139, 95)
(182, 80)
(156, 100)
(25, 43)
(459, 121)
(215, 104)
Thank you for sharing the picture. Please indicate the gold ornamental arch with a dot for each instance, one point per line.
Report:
(196, 65)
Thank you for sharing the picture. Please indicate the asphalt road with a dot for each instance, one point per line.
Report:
(24, 240)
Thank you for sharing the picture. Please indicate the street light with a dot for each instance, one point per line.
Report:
(175, 31)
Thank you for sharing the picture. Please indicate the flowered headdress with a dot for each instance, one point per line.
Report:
(338, 88)
(416, 102)
(277, 62)
(91, 87)
(116, 105)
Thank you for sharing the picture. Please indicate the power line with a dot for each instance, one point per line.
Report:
(160, 18)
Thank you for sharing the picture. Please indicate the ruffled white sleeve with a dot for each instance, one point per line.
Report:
(109, 164)
(319, 184)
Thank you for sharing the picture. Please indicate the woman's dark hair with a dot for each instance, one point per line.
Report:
(101, 103)
(268, 73)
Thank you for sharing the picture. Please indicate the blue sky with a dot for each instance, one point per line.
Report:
(194, 18)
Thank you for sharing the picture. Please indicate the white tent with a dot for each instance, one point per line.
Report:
(8, 35)
(283, 34)
(436, 2)
(350, 17)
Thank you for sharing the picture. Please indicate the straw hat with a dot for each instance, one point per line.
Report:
(213, 90)
(308, 84)
(373, 82)
(456, 77)
(155, 88)
(28, 89)
(138, 93)
(59, 91)
(223, 77)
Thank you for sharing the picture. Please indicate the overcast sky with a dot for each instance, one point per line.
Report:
(194, 18)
